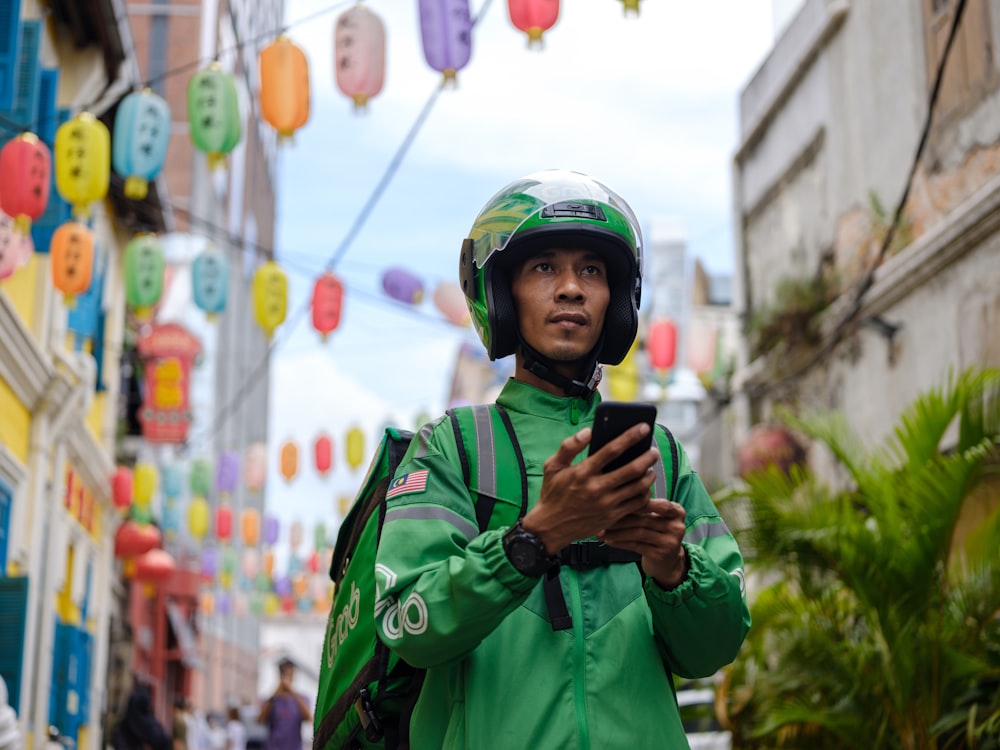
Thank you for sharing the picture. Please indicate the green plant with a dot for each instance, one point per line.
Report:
(792, 321)
(881, 625)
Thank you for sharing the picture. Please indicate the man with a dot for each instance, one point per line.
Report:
(284, 712)
(524, 647)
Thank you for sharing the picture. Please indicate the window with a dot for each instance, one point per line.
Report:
(971, 68)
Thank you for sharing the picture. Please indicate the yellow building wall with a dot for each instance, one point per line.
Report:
(15, 423)
(20, 288)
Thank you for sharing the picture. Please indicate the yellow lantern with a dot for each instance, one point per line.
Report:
(284, 86)
(143, 485)
(198, 517)
(271, 604)
(270, 296)
(355, 445)
(344, 505)
(82, 155)
(623, 379)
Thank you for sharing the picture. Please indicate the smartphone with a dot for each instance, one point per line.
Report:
(612, 418)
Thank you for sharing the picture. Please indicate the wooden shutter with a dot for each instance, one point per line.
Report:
(13, 607)
(10, 37)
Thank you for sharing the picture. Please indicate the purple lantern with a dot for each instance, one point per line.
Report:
(227, 472)
(282, 586)
(209, 563)
(403, 286)
(446, 30)
(222, 603)
(271, 527)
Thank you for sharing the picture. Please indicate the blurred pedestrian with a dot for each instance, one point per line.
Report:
(179, 725)
(284, 712)
(236, 733)
(139, 728)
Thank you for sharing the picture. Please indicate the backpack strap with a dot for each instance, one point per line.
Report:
(660, 484)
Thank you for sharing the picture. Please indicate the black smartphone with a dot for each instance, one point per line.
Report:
(612, 418)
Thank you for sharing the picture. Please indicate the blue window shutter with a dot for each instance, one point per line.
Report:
(45, 119)
(63, 671)
(57, 211)
(27, 81)
(85, 653)
(13, 607)
(6, 500)
(10, 37)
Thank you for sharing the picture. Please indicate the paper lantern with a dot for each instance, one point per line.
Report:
(319, 537)
(250, 526)
(206, 602)
(144, 476)
(661, 343)
(227, 562)
(170, 518)
(10, 243)
(200, 478)
(133, 538)
(144, 266)
(223, 522)
(623, 378)
(209, 564)
(323, 451)
(289, 460)
(210, 282)
(295, 536)
(769, 445)
(403, 286)
(142, 133)
(446, 33)
(272, 528)
(284, 86)
(155, 566)
(354, 442)
(282, 585)
(25, 179)
(214, 113)
(328, 295)
(359, 54)
(198, 517)
(82, 152)
(533, 17)
(172, 480)
(72, 259)
(227, 472)
(630, 7)
(122, 488)
(450, 300)
(255, 466)
(267, 564)
(312, 562)
(249, 563)
(270, 296)
(344, 505)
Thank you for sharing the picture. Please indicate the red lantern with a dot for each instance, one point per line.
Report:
(533, 17)
(328, 295)
(154, 566)
(223, 522)
(121, 488)
(661, 343)
(359, 54)
(25, 179)
(133, 538)
(324, 454)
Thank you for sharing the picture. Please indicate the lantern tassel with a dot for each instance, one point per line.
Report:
(136, 188)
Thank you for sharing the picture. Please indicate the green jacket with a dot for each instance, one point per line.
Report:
(498, 676)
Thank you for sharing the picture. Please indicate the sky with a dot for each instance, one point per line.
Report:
(647, 104)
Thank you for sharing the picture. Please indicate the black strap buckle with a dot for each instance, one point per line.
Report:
(591, 554)
(369, 719)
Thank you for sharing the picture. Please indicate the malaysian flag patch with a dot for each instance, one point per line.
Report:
(415, 481)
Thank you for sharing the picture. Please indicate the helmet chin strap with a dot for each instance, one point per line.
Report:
(544, 368)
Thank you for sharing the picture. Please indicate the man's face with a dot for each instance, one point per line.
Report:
(561, 296)
(286, 674)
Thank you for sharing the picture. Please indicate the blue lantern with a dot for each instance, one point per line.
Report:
(210, 281)
(139, 147)
(171, 481)
(446, 32)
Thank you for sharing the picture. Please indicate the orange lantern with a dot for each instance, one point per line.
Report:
(25, 179)
(328, 295)
(72, 251)
(323, 448)
(359, 54)
(250, 524)
(284, 86)
(450, 300)
(533, 17)
(121, 488)
(289, 460)
(661, 343)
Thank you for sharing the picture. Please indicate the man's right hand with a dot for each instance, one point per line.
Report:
(579, 500)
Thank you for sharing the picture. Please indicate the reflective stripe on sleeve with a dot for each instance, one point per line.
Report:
(433, 513)
(706, 530)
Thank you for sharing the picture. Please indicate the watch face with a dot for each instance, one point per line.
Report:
(523, 554)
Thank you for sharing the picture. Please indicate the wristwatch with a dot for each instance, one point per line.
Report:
(526, 551)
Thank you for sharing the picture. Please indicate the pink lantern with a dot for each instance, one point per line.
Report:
(154, 566)
(359, 54)
(295, 535)
(403, 286)
(328, 296)
(446, 31)
(12, 252)
(661, 343)
(323, 448)
(133, 538)
(25, 179)
(533, 17)
(121, 487)
(255, 466)
(450, 300)
(223, 522)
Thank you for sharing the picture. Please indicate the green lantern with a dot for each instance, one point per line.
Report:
(214, 113)
(144, 265)
(200, 477)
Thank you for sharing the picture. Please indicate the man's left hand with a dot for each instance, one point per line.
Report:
(656, 533)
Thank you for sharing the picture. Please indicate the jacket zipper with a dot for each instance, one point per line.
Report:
(580, 662)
